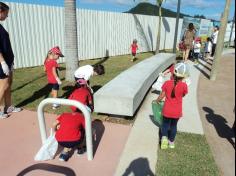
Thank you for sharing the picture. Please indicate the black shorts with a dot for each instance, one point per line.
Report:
(70, 144)
(2, 75)
(54, 86)
(133, 54)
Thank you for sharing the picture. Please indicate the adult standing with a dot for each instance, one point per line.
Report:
(188, 39)
(214, 38)
(6, 66)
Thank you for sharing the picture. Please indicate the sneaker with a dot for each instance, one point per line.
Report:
(81, 150)
(3, 115)
(55, 106)
(171, 145)
(164, 142)
(64, 157)
(13, 109)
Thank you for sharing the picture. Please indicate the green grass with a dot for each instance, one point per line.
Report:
(191, 157)
(28, 88)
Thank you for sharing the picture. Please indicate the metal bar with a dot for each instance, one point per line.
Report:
(88, 126)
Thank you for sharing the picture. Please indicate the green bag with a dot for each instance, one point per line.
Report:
(157, 111)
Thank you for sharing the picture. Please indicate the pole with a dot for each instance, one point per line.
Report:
(220, 41)
(231, 32)
(176, 26)
(86, 113)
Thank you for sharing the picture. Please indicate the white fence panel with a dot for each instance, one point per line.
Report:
(34, 29)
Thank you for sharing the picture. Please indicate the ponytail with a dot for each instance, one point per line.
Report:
(176, 80)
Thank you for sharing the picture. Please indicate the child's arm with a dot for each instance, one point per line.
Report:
(55, 75)
(161, 96)
(56, 125)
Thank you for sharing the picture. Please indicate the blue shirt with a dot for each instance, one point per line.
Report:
(5, 47)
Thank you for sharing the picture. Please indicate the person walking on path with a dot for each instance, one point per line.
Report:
(188, 39)
(214, 38)
(173, 91)
(51, 69)
(6, 66)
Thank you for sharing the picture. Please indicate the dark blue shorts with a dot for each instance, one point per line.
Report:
(54, 86)
(2, 75)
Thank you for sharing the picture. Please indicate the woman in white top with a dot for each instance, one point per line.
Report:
(214, 38)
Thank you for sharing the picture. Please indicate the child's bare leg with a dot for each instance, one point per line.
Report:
(66, 150)
(54, 93)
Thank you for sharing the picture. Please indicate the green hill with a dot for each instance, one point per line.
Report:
(150, 9)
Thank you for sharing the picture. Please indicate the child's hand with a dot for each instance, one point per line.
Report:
(58, 81)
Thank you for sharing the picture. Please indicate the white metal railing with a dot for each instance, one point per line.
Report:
(88, 128)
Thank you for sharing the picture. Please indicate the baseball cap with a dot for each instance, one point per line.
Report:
(182, 70)
(56, 50)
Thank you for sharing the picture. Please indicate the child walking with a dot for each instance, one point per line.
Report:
(51, 69)
(196, 49)
(134, 48)
(173, 91)
(70, 133)
(207, 48)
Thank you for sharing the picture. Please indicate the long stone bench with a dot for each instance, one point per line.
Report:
(123, 94)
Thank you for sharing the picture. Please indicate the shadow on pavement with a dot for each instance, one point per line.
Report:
(139, 167)
(220, 123)
(98, 132)
(49, 168)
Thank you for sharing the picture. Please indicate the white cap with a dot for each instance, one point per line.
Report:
(182, 70)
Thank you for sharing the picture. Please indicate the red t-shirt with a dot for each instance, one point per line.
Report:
(71, 125)
(173, 106)
(83, 95)
(49, 64)
(134, 48)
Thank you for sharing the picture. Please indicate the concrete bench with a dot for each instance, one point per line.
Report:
(123, 94)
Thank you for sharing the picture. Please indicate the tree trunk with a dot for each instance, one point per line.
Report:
(176, 26)
(71, 39)
(220, 42)
(159, 32)
(231, 32)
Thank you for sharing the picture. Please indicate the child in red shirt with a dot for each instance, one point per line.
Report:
(173, 91)
(134, 48)
(51, 69)
(70, 133)
(82, 94)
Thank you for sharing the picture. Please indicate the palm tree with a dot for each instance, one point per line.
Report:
(159, 4)
(71, 40)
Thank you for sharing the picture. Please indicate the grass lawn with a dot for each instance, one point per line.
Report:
(191, 157)
(29, 84)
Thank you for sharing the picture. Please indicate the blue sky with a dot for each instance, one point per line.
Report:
(209, 8)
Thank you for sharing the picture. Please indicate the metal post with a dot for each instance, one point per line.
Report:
(176, 26)
(88, 126)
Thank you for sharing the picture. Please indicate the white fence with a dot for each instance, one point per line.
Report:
(34, 29)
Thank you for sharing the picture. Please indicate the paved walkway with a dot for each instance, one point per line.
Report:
(121, 150)
(140, 153)
(20, 141)
(216, 102)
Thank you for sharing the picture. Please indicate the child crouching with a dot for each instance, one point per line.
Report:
(70, 133)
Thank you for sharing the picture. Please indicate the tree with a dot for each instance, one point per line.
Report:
(71, 39)
(220, 41)
(159, 4)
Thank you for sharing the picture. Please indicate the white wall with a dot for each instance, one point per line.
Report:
(34, 29)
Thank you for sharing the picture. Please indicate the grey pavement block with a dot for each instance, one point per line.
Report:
(123, 94)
